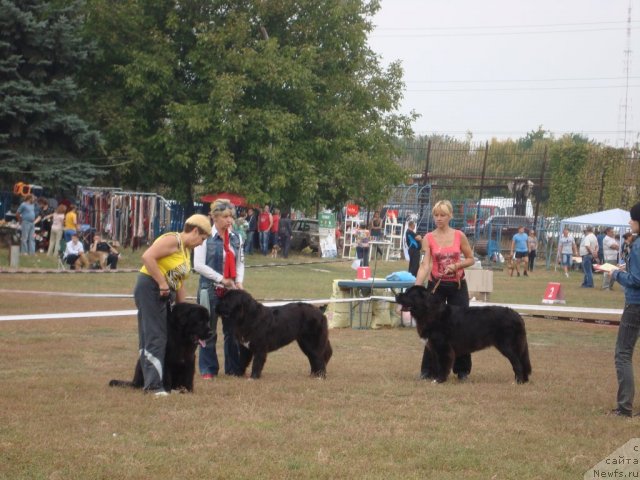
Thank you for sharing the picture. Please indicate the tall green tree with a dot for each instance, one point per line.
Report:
(280, 100)
(42, 138)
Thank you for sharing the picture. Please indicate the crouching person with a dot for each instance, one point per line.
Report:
(74, 254)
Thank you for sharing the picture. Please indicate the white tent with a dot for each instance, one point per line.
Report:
(616, 218)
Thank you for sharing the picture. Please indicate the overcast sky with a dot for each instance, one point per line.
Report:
(501, 68)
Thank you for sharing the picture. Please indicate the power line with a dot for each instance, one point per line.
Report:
(625, 23)
(517, 89)
(486, 34)
(584, 79)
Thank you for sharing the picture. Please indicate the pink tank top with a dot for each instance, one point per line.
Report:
(442, 257)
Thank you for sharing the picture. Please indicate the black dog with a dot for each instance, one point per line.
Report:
(188, 326)
(260, 330)
(451, 331)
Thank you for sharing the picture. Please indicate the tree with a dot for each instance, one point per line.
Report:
(42, 139)
(277, 100)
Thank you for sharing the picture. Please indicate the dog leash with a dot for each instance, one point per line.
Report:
(435, 287)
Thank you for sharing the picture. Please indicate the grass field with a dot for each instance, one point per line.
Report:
(371, 418)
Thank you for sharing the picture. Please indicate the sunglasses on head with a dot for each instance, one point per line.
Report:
(224, 207)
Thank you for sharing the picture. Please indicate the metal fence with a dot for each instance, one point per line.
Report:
(495, 187)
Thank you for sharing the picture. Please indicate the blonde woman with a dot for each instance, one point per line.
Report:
(444, 266)
(166, 265)
(220, 263)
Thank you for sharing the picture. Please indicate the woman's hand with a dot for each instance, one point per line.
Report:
(229, 283)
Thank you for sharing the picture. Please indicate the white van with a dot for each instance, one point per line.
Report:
(504, 206)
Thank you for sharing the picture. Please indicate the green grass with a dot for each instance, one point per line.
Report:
(371, 418)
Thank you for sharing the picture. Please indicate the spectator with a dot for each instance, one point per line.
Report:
(600, 234)
(74, 254)
(413, 244)
(105, 253)
(532, 245)
(275, 227)
(629, 277)
(26, 215)
(70, 222)
(375, 228)
(566, 249)
(362, 245)
(265, 221)
(588, 252)
(443, 264)
(627, 239)
(252, 221)
(166, 265)
(519, 246)
(241, 226)
(220, 263)
(285, 232)
(57, 227)
(44, 212)
(610, 254)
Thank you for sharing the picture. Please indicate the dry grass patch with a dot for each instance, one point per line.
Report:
(371, 418)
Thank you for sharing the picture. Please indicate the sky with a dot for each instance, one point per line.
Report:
(502, 68)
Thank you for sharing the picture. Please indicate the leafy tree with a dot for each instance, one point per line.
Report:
(279, 100)
(42, 138)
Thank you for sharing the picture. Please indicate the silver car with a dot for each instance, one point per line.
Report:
(304, 233)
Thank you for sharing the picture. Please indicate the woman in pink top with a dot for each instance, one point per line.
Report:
(443, 263)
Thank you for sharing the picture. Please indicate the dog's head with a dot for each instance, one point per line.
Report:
(234, 304)
(191, 321)
(419, 301)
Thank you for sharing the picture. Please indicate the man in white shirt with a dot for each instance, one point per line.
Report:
(588, 252)
(74, 254)
(610, 250)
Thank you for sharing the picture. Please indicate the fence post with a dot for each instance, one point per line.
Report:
(426, 167)
(484, 170)
(14, 256)
(541, 183)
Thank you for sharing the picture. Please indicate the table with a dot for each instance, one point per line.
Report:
(362, 289)
(385, 245)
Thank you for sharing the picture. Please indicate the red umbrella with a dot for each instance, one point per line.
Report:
(237, 200)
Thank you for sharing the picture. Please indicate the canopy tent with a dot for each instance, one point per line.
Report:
(237, 200)
(616, 218)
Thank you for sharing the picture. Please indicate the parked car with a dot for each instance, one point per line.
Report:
(507, 225)
(305, 233)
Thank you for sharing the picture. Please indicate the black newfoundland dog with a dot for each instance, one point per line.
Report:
(450, 331)
(260, 330)
(188, 326)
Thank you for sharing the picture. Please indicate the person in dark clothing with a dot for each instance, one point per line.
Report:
(284, 232)
(252, 220)
(105, 253)
(413, 245)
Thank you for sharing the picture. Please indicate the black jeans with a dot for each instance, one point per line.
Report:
(450, 293)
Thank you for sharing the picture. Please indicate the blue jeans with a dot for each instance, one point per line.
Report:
(625, 344)
(27, 239)
(264, 241)
(587, 268)
(208, 359)
(248, 245)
